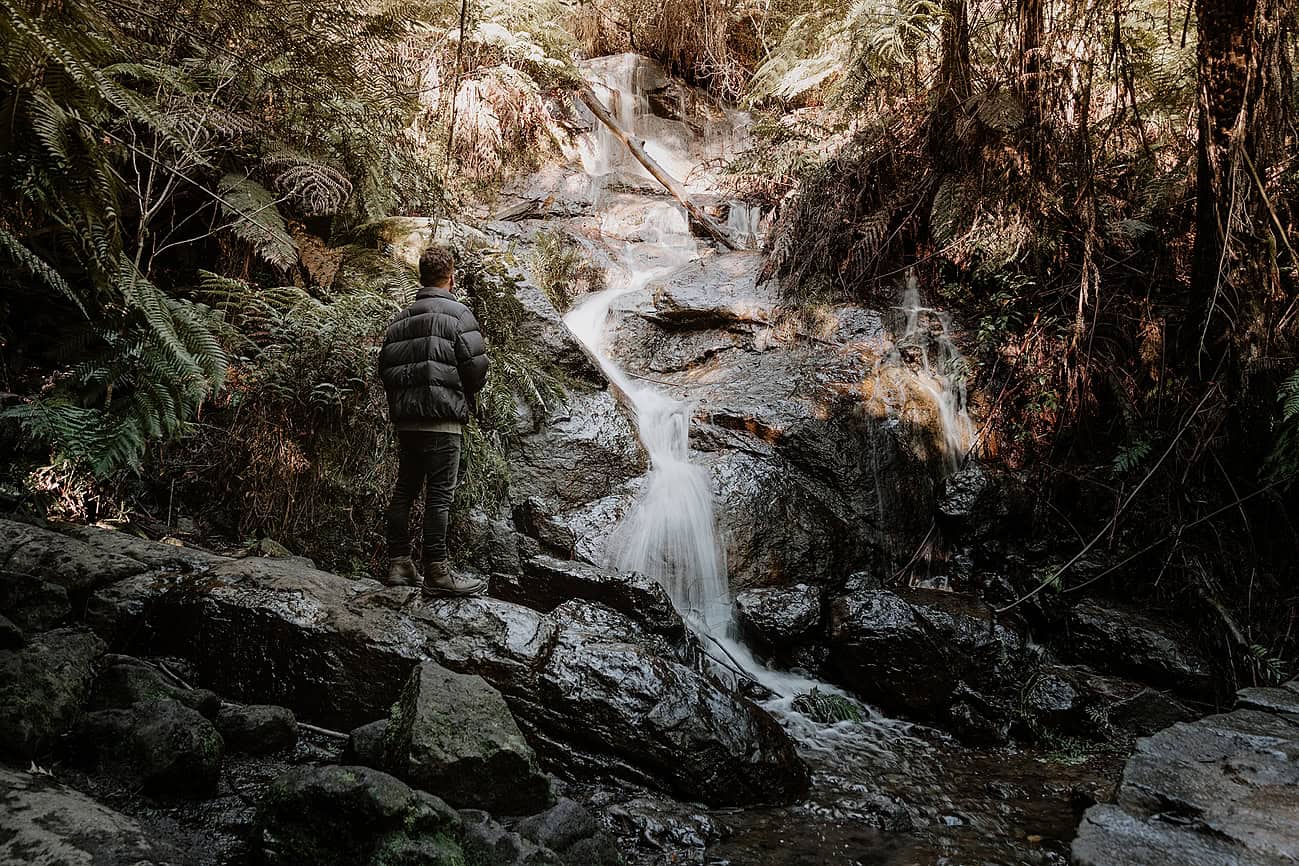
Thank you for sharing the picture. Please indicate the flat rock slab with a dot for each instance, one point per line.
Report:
(75, 565)
(1222, 790)
(47, 823)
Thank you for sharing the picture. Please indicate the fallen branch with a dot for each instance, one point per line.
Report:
(587, 95)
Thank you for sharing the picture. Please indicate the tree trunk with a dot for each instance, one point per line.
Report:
(669, 183)
(952, 88)
(1029, 84)
(1242, 111)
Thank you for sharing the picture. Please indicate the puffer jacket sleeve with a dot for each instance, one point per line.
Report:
(471, 355)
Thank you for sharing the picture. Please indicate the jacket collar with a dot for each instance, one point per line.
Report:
(433, 292)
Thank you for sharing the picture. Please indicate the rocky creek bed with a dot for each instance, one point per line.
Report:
(601, 728)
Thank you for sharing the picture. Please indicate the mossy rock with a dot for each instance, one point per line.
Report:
(354, 816)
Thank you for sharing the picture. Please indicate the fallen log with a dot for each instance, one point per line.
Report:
(587, 95)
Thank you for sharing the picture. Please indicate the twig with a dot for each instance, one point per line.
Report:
(316, 729)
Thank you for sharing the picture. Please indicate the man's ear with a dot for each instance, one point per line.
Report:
(451, 280)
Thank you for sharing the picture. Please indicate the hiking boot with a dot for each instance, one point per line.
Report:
(401, 572)
(440, 581)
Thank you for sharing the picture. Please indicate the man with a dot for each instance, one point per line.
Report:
(433, 364)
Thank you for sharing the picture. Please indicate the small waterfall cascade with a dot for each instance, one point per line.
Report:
(670, 534)
(922, 379)
(744, 222)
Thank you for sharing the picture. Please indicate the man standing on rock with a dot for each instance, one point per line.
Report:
(433, 364)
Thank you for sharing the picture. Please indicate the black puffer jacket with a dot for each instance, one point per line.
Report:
(434, 361)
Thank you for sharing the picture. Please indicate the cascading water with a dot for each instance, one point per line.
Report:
(925, 373)
(670, 533)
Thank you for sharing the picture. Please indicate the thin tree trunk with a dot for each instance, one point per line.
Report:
(1242, 109)
(1029, 84)
(669, 183)
(952, 87)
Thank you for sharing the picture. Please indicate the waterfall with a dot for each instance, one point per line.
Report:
(670, 534)
(925, 373)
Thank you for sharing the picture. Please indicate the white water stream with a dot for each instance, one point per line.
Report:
(670, 533)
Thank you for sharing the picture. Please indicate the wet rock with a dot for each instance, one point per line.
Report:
(353, 816)
(32, 604)
(665, 718)
(584, 448)
(76, 566)
(666, 825)
(914, 654)
(257, 729)
(571, 831)
(1278, 700)
(543, 328)
(1131, 643)
(718, 292)
(484, 838)
(43, 686)
(271, 631)
(779, 616)
(491, 544)
(547, 582)
(11, 636)
(453, 734)
(48, 823)
(338, 652)
(1224, 789)
(162, 746)
(365, 744)
(125, 681)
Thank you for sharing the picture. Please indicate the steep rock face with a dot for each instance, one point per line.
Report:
(808, 486)
(1224, 789)
(585, 683)
(48, 823)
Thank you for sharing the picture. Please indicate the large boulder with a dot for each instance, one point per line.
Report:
(660, 716)
(584, 682)
(271, 631)
(353, 816)
(162, 747)
(1224, 789)
(257, 729)
(1112, 638)
(453, 734)
(923, 654)
(779, 616)
(48, 823)
(43, 687)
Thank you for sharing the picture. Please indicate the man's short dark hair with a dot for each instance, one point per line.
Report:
(436, 264)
